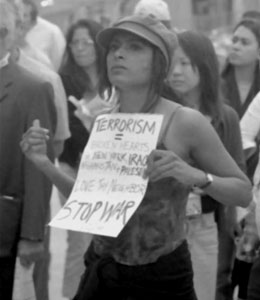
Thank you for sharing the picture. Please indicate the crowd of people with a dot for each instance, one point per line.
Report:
(194, 235)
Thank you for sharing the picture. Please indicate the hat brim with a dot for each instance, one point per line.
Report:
(105, 36)
(136, 27)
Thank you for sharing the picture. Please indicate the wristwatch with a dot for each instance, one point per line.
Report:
(209, 180)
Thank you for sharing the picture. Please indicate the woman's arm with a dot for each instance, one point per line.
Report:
(33, 145)
(230, 185)
(194, 133)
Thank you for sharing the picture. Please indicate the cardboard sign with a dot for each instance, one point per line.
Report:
(110, 185)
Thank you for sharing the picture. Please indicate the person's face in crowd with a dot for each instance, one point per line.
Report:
(83, 48)
(185, 77)
(21, 35)
(129, 61)
(7, 33)
(27, 20)
(244, 48)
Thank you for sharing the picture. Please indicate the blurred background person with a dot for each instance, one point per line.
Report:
(43, 72)
(253, 284)
(23, 97)
(29, 49)
(241, 74)
(195, 80)
(43, 34)
(222, 37)
(79, 72)
(250, 126)
(40, 70)
(241, 83)
(156, 8)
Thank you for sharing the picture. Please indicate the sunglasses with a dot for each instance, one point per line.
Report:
(3, 32)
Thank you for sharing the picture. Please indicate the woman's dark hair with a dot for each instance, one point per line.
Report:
(69, 66)
(200, 51)
(158, 72)
(251, 24)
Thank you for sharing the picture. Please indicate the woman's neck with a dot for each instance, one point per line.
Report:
(132, 100)
(245, 73)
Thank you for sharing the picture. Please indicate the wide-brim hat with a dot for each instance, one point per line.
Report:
(146, 27)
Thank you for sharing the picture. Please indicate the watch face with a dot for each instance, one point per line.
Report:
(209, 178)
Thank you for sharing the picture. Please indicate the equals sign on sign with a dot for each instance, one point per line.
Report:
(119, 136)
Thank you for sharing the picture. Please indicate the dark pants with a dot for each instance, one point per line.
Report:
(240, 277)
(7, 265)
(254, 282)
(170, 277)
(226, 257)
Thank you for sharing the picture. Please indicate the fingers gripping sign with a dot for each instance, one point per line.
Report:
(165, 163)
(160, 164)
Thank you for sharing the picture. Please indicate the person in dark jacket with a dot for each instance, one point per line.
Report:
(24, 191)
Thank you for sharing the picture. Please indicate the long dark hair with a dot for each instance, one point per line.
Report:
(201, 53)
(69, 66)
(159, 73)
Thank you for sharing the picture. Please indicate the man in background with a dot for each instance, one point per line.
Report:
(44, 35)
(23, 98)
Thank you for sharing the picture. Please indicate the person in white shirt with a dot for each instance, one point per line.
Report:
(250, 128)
(41, 70)
(44, 35)
(60, 100)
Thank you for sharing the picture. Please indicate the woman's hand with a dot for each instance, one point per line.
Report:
(34, 142)
(164, 163)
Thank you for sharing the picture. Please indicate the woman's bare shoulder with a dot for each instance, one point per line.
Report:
(168, 106)
(183, 119)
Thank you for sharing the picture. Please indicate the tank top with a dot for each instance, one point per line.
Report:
(157, 226)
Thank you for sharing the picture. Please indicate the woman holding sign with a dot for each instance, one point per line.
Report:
(150, 258)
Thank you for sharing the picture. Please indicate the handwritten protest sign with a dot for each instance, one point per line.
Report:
(109, 186)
